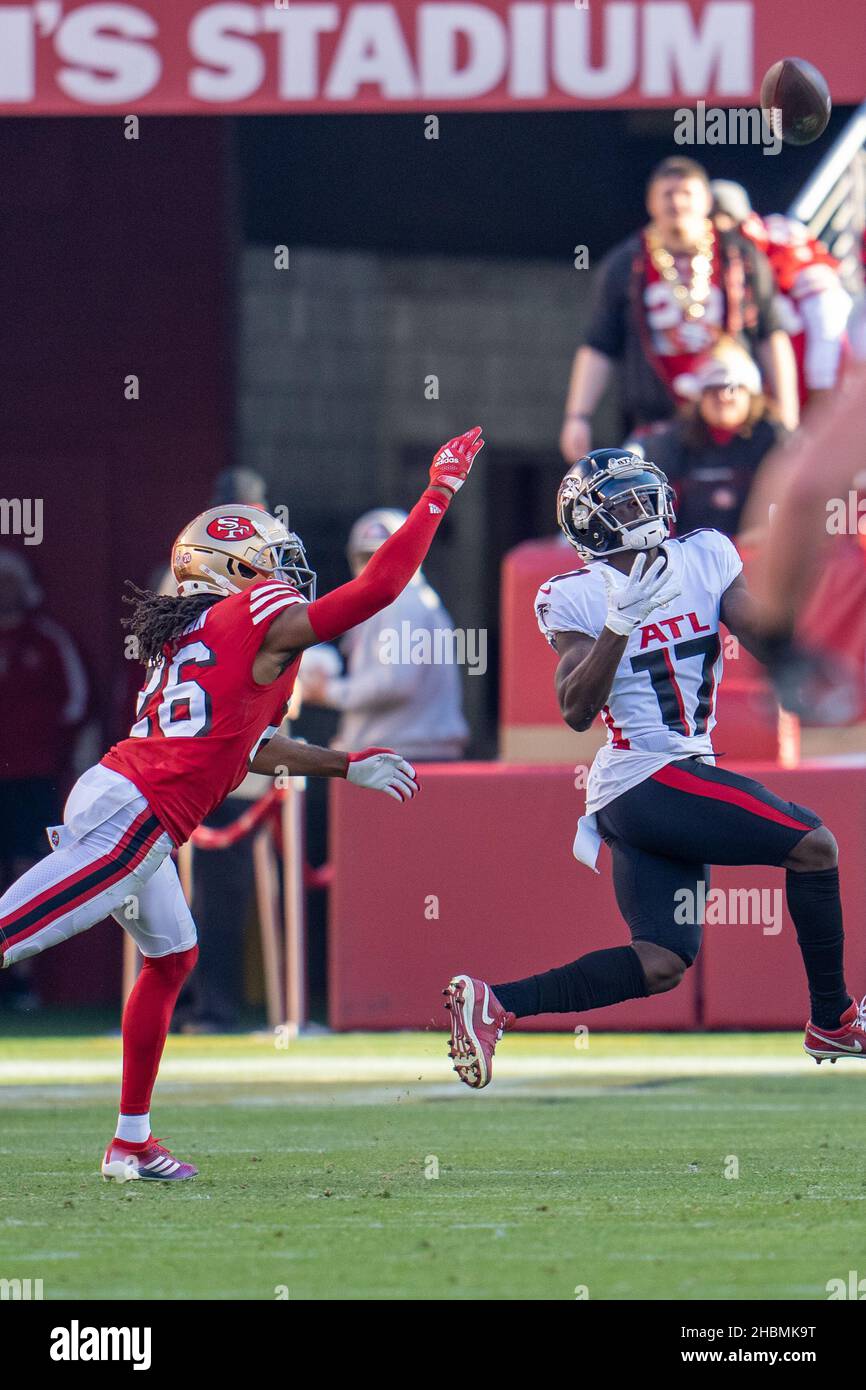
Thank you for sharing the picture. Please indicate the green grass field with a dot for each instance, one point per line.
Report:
(602, 1167)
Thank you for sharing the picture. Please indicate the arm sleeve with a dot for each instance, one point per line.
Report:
(385, 575)
(568, 605)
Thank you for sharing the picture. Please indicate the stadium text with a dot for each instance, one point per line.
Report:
(271, 57)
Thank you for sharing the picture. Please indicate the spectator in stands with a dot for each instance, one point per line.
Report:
(43, 705)
(663, 298)
(812, 304)
(712, 450)
(386, 702)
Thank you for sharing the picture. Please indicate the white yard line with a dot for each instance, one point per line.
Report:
(299, 1069)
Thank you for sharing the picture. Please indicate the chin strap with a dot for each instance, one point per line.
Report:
(219, 586)
(636, 531)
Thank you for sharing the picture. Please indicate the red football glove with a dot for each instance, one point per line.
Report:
(450, 468)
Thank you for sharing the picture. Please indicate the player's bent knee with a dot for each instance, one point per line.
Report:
(817, 850)
(175, 968)
(663, 969)
(667, 978)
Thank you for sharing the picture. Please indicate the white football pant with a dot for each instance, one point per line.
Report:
(111, 858)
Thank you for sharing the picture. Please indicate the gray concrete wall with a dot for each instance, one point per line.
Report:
(334, 353)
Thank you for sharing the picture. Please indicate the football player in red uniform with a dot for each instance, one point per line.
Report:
(222, 658)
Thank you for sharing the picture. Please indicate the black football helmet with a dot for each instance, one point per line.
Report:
(590, 491)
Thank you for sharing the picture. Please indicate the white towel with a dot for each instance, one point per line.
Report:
(587, 842)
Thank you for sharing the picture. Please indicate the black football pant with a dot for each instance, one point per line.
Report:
(665, 833)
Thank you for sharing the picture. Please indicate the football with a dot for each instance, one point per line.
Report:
(800, 92)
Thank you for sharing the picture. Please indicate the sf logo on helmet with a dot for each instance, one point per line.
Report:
(231, 528)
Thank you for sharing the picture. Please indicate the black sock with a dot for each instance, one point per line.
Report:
(816, 910)
(598, 978)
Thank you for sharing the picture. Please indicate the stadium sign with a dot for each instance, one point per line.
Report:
(185, 56)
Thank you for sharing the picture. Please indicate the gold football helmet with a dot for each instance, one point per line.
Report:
(227, 549)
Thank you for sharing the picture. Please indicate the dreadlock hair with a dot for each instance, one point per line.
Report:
(159, 618)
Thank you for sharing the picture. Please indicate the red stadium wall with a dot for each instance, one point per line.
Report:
(120, 267)
(477, 876)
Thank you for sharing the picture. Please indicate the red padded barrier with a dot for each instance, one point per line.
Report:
(753, 979)
(492, 844)
(526, 677)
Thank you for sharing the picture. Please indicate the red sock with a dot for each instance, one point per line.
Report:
(145, 1025)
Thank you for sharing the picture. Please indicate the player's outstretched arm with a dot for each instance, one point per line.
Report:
(377, 769)
(796, 482)
(389, 571)
(807, 682)
(742, 616)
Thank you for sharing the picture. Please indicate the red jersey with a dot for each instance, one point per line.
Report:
(804, 270)
(201, 717)
(676, 340)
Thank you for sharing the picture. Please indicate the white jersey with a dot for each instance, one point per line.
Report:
(663, 699)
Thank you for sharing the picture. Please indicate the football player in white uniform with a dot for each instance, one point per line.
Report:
(637, 634)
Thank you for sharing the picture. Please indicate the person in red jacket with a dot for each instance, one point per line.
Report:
(222, 658)
(811, 302)
(43, 704)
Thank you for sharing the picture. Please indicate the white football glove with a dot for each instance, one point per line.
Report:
(383, 770)
(630, 603)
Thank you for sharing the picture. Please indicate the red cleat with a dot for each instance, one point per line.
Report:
(848, 1040)
(151, 1161)
(478, 1021)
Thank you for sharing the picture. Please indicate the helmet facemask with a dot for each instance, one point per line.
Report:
(647, 530)
(289, 564)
